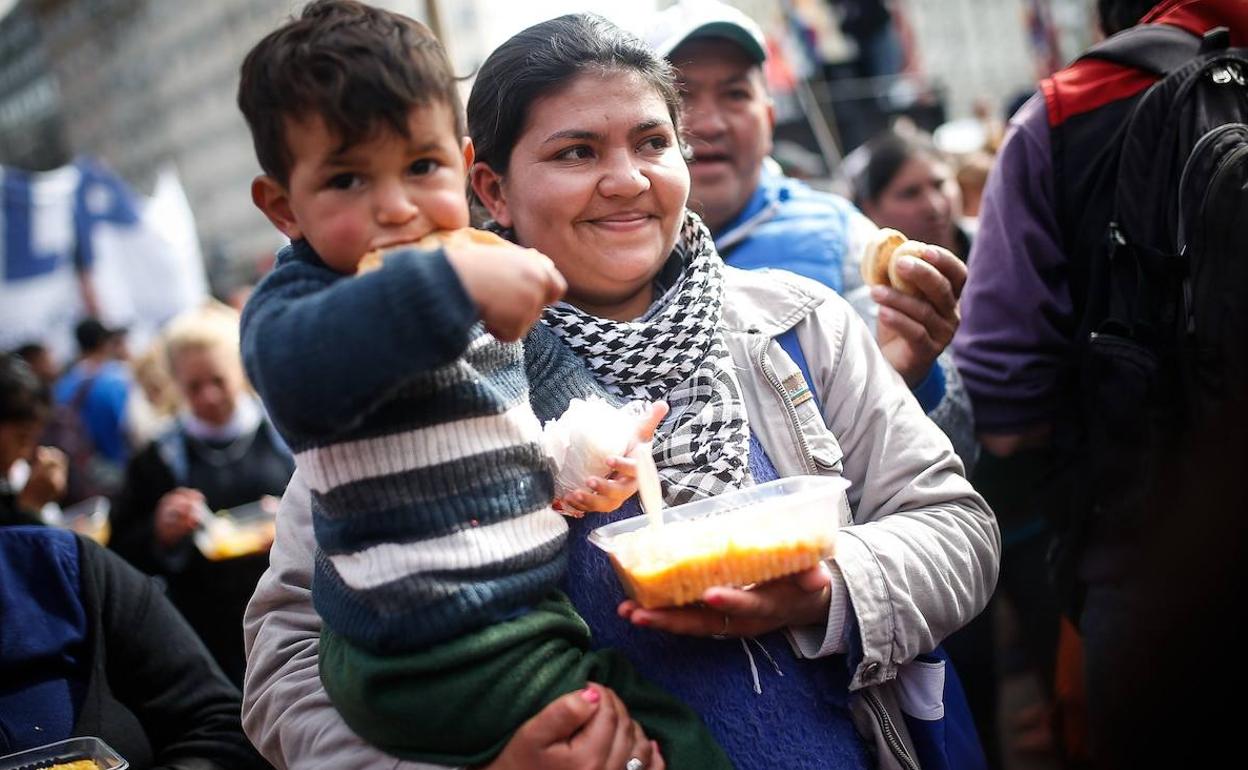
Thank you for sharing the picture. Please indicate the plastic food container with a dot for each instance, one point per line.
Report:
(63, 754)
(90, 518)
(241, 531)
(736, 539)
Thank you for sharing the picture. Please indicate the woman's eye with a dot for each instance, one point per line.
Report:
(342, 181)
(424, 166)
(579, 152)
(657, 143)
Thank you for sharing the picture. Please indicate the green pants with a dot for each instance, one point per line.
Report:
(459, 702)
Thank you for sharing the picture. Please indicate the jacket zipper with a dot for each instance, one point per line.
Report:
(889, 730)
(794, 423)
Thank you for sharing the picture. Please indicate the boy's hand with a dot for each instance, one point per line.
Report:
(509, 284)
(605, 495)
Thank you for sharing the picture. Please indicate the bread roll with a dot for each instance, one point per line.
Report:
(881, 259)
(465, 235)
(877, 254)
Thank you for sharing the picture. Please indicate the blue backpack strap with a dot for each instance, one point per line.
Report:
(930, 392)
(950, 742)
(788, 342)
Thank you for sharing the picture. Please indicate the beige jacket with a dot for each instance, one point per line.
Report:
(918, 561)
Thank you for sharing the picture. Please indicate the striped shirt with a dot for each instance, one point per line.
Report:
(430, 487)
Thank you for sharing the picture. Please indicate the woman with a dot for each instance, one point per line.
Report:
(578, 156)
(31, 476)
(909, 185)
(220, 453)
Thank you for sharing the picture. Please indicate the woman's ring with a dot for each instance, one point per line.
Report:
(634, 764)
(724, 633)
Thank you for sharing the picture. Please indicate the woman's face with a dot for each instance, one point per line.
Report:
(922, 201)
(597, 183)
(210, 381)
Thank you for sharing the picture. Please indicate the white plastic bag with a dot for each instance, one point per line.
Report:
(589, 432)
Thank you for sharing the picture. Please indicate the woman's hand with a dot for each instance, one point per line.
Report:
(797, 600)
(177, 515)
(585, 730)
(914, 330)
(49, 470)
(605, 495)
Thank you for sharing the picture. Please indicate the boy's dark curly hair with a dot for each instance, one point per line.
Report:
(358, 67)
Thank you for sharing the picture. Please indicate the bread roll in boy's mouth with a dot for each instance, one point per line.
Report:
(464, 235)
(881, 258)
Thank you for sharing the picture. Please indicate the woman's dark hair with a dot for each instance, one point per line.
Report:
(23, 396)
(357, 67)
(543, 59)
(886, 154)
(1117, 15)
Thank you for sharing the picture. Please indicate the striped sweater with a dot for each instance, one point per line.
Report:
(413, 428)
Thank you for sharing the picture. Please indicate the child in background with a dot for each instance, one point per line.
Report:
(404, 395)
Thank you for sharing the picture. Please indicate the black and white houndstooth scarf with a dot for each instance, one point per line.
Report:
(675, 352)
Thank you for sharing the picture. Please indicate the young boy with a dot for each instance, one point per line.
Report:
(438, 549)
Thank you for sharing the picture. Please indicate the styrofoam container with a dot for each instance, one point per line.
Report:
(735, 539)
(64, 752)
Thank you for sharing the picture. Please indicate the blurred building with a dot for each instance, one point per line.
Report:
(139, 84)
(30, 122)
(988, 49)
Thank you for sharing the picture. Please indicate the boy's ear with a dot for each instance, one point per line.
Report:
(272, 199)
(488, 186)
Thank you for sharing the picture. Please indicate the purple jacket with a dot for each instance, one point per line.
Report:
(1017, 317)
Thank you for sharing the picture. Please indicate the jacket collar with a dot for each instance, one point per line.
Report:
(767, 302)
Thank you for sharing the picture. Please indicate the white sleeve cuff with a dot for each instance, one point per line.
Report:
(819, 641)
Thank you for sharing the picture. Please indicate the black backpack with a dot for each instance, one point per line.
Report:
(1164, 326)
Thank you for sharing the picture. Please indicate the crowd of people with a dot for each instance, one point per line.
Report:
(428, 596)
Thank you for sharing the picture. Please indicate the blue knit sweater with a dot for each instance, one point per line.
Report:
(412, 426)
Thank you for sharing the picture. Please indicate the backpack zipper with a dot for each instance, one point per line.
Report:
(889, 730)
(1209, 138)
(1223, 164)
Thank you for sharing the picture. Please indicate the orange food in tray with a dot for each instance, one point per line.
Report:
(669, 581)
(739, 538)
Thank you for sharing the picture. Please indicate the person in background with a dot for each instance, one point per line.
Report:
(972, 175)
(31, 476)
(97, 387)
(760, 219)
(41, 361)
(908, 184)
(1025, 336)
(91, 647)
(221, 452)
(154, 402)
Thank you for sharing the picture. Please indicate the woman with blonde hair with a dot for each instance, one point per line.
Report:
(220, 452)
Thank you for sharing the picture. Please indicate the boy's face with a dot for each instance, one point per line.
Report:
(385, 190)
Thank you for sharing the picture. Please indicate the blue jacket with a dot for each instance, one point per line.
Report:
(789, 225)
